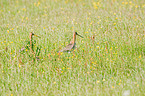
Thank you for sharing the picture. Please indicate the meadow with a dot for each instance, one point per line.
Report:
(108, 61)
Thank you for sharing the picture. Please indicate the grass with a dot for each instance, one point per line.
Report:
(109, 60)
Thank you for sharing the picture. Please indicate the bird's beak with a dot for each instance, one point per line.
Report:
(36, 35)
(80, 36)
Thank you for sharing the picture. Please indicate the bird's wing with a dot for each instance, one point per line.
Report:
(67, 48)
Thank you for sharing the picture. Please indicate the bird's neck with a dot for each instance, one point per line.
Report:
(30, 37)
(74, 39)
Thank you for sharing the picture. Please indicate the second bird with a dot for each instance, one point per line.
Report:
(72, 44)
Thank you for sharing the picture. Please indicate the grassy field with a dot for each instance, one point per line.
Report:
(108, 61)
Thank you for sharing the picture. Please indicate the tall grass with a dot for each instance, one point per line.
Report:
(109, 60)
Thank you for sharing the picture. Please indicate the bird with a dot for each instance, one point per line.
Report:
(71, 45)
(30, 43)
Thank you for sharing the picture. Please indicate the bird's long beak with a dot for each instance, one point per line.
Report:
(37, 36)
(80, 36)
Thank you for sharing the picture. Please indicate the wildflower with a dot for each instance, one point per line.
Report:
(126, 3)
(26, 18)
(98, 81)
(34, 4)
(136, 6)
(139, 56)
(94, 5)
(19, 65)
(8, 31)
(130, 2)
(38, 3)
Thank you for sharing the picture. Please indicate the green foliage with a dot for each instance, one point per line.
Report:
(109, 60)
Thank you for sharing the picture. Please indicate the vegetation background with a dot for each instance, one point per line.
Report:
(109, 60)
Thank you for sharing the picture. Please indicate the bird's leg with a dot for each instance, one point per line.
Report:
(73, 53)
(31, 48)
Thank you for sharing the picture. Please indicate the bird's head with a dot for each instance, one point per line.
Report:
(32, 34)
(79, 35)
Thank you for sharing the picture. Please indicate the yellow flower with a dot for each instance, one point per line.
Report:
(136, 6)
(139, 56)
(126, 2)
(38, 3)
(19, 65)
(34, 4)
(98, 81)
(26, 18)
(8, 31)
(94, 5)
